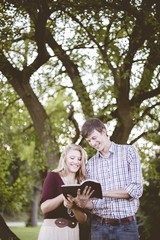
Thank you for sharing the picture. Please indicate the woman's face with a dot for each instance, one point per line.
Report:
(73, 161)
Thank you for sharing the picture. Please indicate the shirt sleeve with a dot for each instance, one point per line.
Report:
(135, 187)
(49, 189)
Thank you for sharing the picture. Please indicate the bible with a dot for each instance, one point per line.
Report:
(72, 188)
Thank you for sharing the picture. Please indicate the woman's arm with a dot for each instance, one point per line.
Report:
(49, 200)
(79, 214)
(51, 204)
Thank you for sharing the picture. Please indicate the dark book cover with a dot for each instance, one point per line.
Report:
(72, 188)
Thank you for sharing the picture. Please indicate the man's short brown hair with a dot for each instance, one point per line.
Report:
(90, 125)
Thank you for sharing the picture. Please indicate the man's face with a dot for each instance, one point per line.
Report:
(97, 140)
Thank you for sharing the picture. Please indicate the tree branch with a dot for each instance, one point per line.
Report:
(73, 72)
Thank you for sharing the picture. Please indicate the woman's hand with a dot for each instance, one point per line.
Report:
(69, 202)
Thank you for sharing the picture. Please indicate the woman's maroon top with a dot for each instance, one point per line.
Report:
(51, 189)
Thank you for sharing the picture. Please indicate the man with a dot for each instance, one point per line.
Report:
(117, 167)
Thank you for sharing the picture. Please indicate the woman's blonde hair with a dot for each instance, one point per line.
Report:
(80, 175)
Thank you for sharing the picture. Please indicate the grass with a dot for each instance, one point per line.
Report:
(26, 233)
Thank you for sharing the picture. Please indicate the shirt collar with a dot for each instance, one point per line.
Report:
(111, 151)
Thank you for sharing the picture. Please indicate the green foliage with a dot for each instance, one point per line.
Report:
(12, 182)
(150, 207)
(19, 153)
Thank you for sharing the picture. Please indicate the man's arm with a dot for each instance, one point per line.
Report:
(120, 193)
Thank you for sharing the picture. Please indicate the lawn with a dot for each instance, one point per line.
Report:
(26, 233)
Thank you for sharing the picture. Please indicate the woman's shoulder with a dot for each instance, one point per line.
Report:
(53, 173)
(52, 178)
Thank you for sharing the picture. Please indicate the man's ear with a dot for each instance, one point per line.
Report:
(104, 131)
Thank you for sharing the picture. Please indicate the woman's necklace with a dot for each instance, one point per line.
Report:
(67, 182)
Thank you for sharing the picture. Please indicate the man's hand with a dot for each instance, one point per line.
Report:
(83, 199)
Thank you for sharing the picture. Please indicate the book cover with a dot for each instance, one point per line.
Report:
(72, 188)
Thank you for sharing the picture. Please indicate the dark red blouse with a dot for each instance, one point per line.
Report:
(51, 189)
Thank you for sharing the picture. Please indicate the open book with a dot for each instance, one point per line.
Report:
(72, 188)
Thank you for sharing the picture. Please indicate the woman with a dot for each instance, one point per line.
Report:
(62, 216)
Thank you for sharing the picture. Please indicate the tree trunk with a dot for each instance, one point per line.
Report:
(5, 232)
(33, 219)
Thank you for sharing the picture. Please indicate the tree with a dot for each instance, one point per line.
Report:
(124, 39)
(22, 160)
(149, 212)
(17, 175)
(149, 208)
(103, 55)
